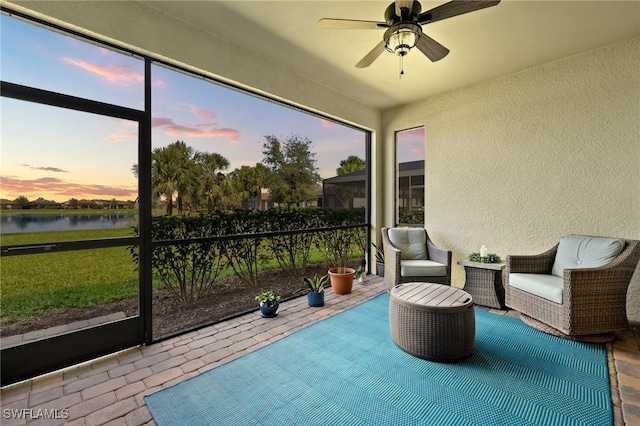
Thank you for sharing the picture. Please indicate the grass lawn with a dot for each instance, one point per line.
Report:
(35, 283)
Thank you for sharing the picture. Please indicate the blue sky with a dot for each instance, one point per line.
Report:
(58, 154)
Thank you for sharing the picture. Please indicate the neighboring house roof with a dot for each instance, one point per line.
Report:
(360, 174)
(42, 202)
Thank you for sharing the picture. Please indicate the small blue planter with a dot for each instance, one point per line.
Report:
(315, 299)
(269, 309)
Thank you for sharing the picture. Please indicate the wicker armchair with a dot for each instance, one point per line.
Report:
(593, 299)
(395, 262)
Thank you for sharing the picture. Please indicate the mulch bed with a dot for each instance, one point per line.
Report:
(229, 297)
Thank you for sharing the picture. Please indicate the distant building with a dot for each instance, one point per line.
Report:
(347, 191)
(41, 203)
(8, 204)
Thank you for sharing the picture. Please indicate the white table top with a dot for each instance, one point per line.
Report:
(495, 266)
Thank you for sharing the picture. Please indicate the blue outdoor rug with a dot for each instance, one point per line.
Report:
(346, 370)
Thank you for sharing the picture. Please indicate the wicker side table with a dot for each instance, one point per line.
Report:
(432, 321)
(484, 283)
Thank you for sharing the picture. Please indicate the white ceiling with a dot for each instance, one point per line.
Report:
(486, 44)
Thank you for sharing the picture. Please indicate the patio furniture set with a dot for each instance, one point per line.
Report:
(576, 290)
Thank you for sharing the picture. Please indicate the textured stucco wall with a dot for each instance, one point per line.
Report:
(517, 162)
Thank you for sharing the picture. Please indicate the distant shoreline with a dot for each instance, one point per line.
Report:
(65, 211)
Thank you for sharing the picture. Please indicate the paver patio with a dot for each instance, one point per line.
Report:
(110, 390)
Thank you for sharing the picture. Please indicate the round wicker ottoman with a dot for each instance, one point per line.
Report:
(432, 321)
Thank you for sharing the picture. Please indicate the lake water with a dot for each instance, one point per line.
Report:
(14, 223)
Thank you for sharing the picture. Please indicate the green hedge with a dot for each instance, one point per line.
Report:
(189, 270)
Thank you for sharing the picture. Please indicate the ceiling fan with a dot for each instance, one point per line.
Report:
(403, 21)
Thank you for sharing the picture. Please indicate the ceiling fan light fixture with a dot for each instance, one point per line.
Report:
(401, 38)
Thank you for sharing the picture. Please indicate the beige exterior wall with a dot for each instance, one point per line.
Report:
(518, 162)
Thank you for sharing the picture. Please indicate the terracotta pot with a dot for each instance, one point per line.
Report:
(341, 280)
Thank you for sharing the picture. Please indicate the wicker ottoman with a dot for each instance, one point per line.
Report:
(432, 321)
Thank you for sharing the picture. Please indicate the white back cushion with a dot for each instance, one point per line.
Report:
(580, 251)
(412, 242)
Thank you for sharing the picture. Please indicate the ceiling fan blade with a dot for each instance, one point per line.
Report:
(454, 8)
(371, 56)
(350, 24)
(431, 48)
(408, 4)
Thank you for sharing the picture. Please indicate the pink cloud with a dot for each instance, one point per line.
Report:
(417, 150)
(50, 187)
(415, 133)
(120, 74)
(327, 124)
(203, 113)
(120, 137)
(197, 131)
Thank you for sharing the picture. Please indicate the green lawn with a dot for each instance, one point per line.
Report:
(36, 283)
(31, 285)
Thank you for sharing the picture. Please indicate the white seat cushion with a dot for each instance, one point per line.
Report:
(580, 251)
(547, 286)
(422, 268)
(412, 242)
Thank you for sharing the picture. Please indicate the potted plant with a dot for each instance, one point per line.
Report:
(269, 303)
(361, 272)
(339, 246)
(487, 258)
(379, 260)
(315, 289)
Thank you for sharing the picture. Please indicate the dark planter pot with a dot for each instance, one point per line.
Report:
(380, 269)
(315, 299)
(269, 309)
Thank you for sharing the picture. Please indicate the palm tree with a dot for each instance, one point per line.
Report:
(164, 176)
(210, 167)
(185, 169)
(246, 183)
(347, 193)
(352, 164)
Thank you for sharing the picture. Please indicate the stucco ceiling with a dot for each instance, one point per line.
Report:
(485, 45)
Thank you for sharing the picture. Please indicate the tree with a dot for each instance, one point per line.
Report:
(22, 202)
(245, 183)
(346, 192)
(191, 176)
(293, 175)
(163, 176)
(188, 177)
(351, 164)
(173, 171)
(210, 167)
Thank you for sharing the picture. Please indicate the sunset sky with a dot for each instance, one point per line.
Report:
(60, 154)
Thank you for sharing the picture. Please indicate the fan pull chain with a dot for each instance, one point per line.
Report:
(401, 66)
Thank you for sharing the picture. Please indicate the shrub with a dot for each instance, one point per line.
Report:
(244, 255)
(187, 270)
(291, 250)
